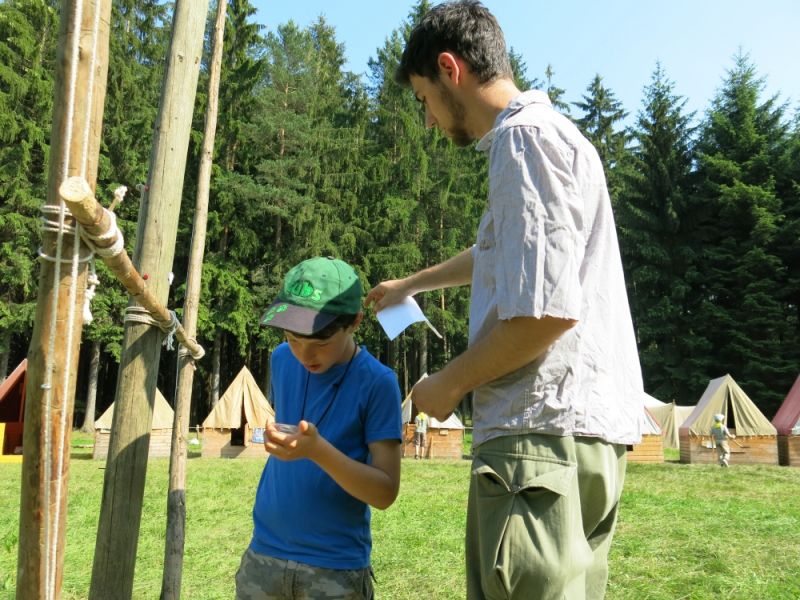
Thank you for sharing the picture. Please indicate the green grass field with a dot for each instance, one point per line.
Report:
(685, 531)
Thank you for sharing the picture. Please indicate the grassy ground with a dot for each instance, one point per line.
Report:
(685, 531)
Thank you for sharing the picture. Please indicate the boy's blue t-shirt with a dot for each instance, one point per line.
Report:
(300, 513)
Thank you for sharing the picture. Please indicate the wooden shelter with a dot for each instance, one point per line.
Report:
(787, 423)
(445, 439)
(756, 438)
(651, 448)
(12, 413)
(160, 433)
(235, 426)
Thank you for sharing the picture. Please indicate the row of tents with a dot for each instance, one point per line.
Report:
(234, 427)
(687, 428)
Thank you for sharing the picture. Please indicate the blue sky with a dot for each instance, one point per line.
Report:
(695, 40)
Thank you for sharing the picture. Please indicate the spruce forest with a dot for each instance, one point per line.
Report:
(313, 160)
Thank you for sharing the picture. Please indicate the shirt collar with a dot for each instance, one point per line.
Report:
(520, 101)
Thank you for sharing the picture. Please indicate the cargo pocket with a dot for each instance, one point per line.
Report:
(528, 525)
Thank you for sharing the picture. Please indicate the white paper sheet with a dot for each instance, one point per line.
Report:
(396, 318)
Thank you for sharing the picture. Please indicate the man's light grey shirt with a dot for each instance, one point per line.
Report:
(547, 245)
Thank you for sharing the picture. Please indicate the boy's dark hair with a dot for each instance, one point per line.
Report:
(331, 329)
(465, 28)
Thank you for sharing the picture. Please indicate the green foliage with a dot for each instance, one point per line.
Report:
(656, 239)
(28, 32)
(310, 159)
(743, 284)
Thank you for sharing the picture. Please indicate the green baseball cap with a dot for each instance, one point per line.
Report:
(314, 293)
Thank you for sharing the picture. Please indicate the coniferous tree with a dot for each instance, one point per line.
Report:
(28, 35)
(601, 123)
(741, 273)
(654, 232)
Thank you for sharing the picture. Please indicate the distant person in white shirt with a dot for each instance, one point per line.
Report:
(552, 359)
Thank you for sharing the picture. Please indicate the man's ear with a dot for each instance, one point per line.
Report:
(451, 67)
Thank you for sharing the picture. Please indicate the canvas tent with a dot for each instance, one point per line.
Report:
(12, 413)
(670, 417)
(651, 448)
(160, 432)
(787, 423)
(234, 428)
(756, 438)
(445, 439)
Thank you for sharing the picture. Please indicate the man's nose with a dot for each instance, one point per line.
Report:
(430, 121)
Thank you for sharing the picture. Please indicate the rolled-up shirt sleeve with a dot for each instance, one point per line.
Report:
(537, 216)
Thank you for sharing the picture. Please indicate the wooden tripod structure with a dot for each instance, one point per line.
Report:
(53, 354)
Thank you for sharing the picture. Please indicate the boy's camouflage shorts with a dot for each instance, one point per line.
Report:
(265, 578)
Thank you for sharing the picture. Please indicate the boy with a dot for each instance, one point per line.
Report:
(334, 451)
(720, 433)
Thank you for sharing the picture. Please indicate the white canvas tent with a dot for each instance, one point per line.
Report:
(670, 417)
(160, 432)
(756, 438)
(242, 410)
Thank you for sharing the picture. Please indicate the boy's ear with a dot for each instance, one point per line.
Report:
(357, 322)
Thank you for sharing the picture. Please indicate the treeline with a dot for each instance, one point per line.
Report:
(311, 159)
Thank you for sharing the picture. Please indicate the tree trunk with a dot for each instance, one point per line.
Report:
(176, 498)
(91, 394)
(216, 359)
(126, 465)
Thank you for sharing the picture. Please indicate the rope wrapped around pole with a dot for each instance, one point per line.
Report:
(100, 231)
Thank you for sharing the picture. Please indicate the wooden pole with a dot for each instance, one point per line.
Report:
(80, 88)
(126, 466)
(99, 229)
(176, 498)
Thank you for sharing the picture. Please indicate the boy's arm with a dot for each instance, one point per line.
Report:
(453, 272)
(376, 484)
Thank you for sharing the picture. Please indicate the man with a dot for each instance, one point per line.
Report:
(552, 360)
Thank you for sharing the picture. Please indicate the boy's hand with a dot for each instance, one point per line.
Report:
(291, 446)
(387, 293)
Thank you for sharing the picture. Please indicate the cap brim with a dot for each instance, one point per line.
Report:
(296, 318)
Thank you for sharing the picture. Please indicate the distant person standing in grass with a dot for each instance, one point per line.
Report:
(334, 451)
(420, 435)
(721, 434)
(552, 357)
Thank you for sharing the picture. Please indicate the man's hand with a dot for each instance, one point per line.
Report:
(387, 293)
(436, 396)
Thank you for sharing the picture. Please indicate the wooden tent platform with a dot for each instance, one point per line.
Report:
(789, 450)
(222, 443)
(650, 450)
(745, 450)
(441, 443)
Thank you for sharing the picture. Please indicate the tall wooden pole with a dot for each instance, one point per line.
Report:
(176, 498)
(126, 466)
(53, 355)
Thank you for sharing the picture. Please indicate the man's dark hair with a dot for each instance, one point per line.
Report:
(331, 329)
(465, 28)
